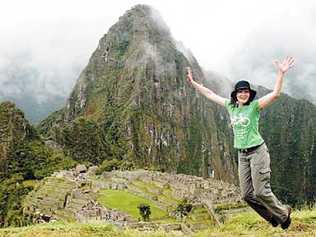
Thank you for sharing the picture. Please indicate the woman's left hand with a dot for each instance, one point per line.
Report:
(287, 63)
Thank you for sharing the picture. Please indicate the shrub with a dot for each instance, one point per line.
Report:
(108, 165)
(183, 209)
(144, 211)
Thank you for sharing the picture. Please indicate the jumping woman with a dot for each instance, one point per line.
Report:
(253, 155)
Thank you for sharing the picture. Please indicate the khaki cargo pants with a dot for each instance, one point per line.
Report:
(254, 177)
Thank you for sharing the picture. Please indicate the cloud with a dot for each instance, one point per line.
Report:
(43, 60)
(52, 43)
(276, 40)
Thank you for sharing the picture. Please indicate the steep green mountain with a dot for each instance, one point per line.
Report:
(24, 158)
(289, 129)
(132, 102)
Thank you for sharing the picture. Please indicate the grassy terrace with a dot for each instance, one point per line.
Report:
(162, 194)
(128, 202)
(243, 224)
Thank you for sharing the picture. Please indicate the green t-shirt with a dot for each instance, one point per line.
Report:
(245, 121)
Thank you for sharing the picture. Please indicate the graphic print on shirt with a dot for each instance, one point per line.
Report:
(240, 125)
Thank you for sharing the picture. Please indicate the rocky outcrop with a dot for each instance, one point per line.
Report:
(24, 158)
(14, 129)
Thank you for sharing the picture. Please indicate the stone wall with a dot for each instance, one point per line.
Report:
(71, 194)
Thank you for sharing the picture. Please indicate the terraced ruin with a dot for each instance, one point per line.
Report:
(82, 196)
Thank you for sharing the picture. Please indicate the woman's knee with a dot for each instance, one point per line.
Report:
(246, 196)
(262, 194)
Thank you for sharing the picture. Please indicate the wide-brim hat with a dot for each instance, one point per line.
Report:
(243, 85)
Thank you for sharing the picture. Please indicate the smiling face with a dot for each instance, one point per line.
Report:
(243, 96)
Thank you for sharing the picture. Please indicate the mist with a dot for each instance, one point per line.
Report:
(39, 65)
(276, 40)
(45, 46)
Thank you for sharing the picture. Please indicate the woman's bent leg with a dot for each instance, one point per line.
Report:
(247, 190)
(260, 173)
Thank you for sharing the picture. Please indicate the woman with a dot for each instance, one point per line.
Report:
(253, 156)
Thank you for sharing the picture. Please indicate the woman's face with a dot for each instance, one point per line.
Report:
(243, 96)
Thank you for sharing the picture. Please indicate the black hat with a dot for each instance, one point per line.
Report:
(243, 85)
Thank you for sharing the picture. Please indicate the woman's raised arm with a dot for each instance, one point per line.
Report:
(282, 69)
(204, 91)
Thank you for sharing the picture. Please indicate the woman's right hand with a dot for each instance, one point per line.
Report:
(189, 76)
(287, 63)
(203, 90)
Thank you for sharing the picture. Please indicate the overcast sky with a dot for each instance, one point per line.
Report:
(237, 39)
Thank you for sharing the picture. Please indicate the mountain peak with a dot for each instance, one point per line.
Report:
(14, 129)
(134, 86)
(140, 9)
(142, 20)
(14, 126)
(139, 41)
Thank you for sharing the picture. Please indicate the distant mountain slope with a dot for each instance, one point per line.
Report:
(23, 158)
(132, 102)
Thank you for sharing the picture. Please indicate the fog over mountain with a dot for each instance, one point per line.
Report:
(38, 73)
(253, 61)
(42, 54)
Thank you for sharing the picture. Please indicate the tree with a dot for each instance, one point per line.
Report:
(144, 211)
(183, 208)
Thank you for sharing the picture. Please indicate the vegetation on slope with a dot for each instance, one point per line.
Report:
(243, 224)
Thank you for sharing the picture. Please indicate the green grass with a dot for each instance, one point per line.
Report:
(146, 186)
(113, 199)
(127, 202)
(60, 229)
(31, 183)
(199, 215)
(242, 224)
(250, 224)
(163, 194)
(167, 196)
(229, 206)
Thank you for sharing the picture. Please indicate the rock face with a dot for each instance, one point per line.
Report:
(23, 157)
(14, 129)
(289, 129)
(134, 100)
